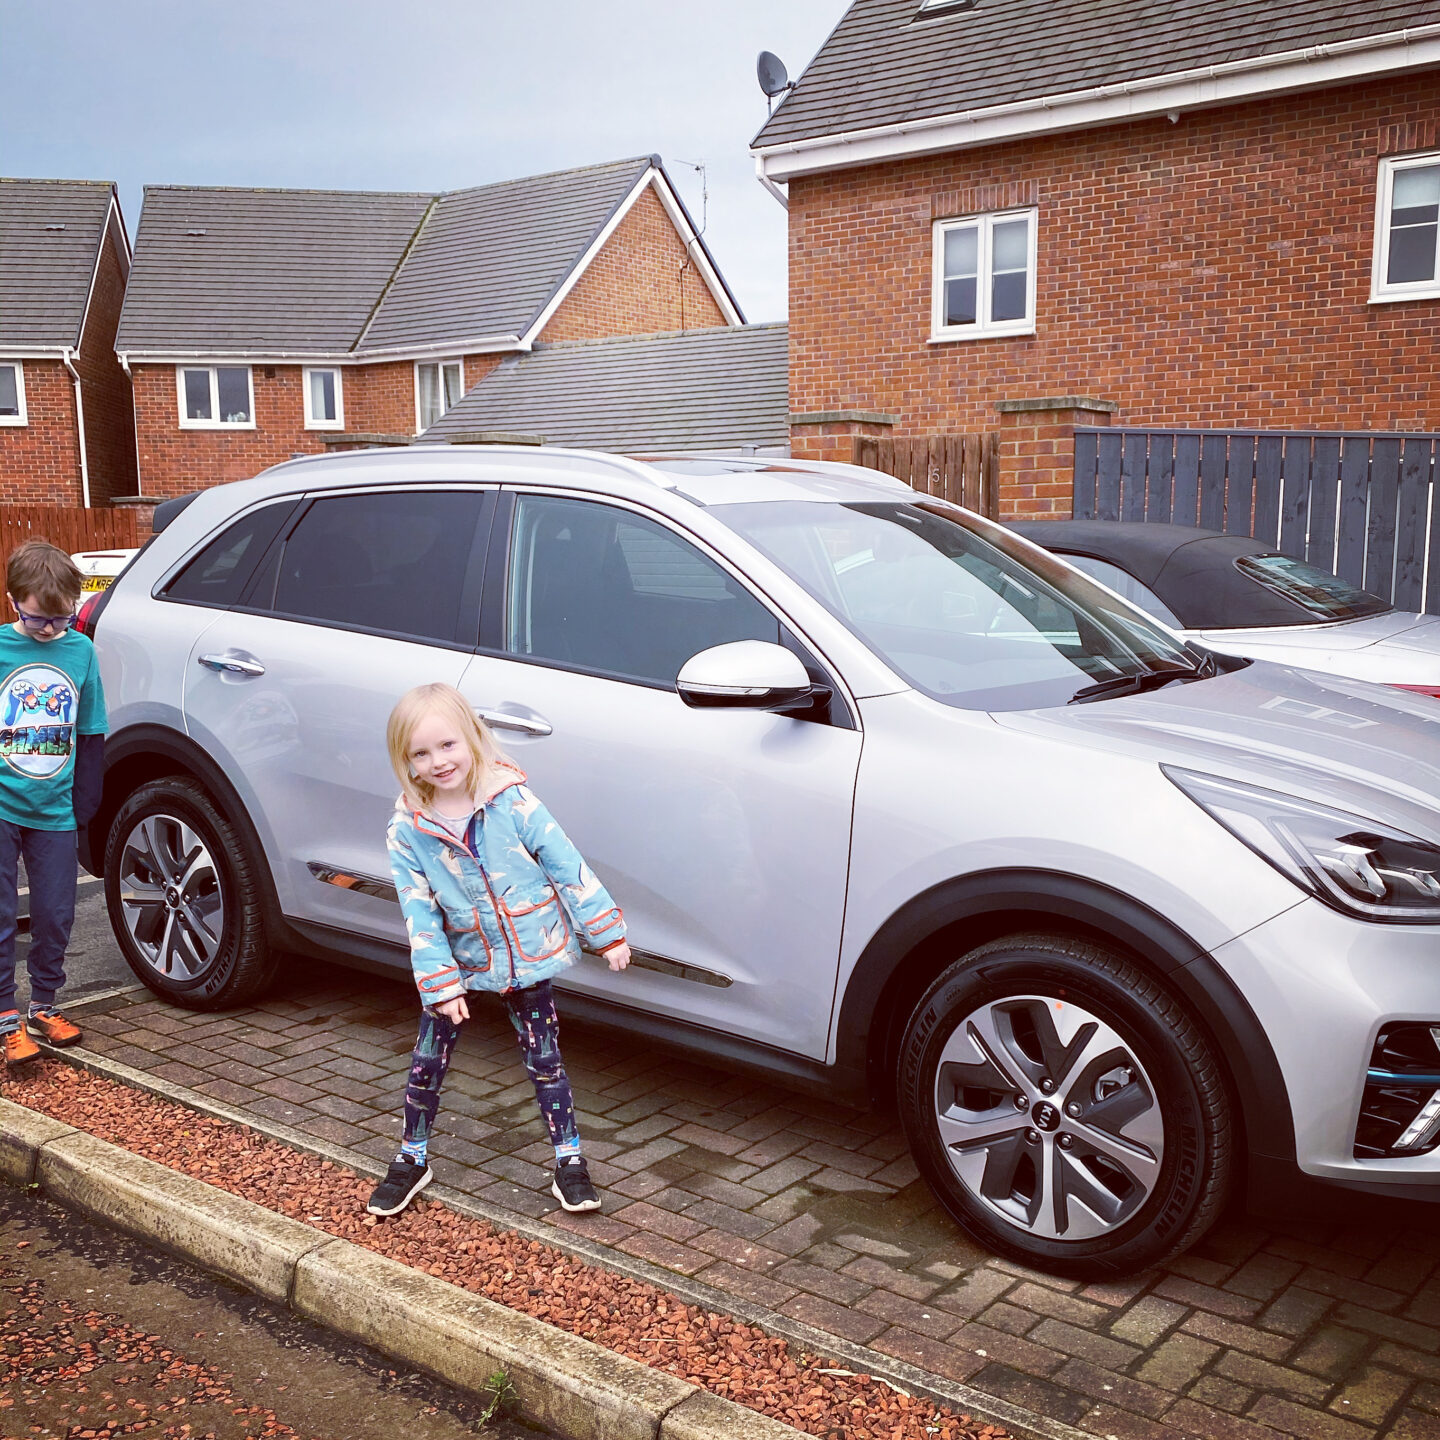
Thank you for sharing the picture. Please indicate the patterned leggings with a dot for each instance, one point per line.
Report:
(537, 1032)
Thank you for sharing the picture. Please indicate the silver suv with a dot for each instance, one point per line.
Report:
(896, 804)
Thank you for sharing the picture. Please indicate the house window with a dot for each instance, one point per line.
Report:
(12, 393)
(1407, 229)
(438, 387)
(215, 397)
(324, 403)
(984, 270)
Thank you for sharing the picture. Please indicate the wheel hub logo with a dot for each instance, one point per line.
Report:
(1045, 1117)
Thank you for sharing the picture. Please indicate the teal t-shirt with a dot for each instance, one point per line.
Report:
(50, 693)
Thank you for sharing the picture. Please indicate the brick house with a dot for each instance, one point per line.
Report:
(67, 433)
(260, 324)
(1027, 214)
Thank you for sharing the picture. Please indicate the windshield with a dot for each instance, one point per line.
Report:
(957, 606)
(1324, 595)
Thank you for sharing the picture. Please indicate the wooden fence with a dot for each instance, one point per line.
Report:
(72, 528)
(1363, 505)
(964, 469)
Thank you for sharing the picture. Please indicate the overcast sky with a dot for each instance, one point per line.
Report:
(382, 95)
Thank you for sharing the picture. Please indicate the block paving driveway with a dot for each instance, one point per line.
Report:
(788, 1203)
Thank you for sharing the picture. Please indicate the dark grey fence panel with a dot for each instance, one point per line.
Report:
(1269, 469)
(1365, 505)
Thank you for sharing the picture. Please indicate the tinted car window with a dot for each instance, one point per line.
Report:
(1325, 595)
(602, 589)
(391, 562)
(1123, 583)
(219, 573)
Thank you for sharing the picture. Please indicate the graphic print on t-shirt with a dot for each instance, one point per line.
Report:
(37, 727)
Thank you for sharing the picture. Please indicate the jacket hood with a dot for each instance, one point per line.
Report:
(1367, 748)
(507, 774)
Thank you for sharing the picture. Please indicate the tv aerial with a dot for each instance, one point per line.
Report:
(773, 77)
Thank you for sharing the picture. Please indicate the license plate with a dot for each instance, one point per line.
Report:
(95, 582)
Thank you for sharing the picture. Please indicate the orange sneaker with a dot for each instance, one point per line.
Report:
(54, 1028)
(19, 1047)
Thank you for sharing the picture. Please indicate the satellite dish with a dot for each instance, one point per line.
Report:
(770, 71)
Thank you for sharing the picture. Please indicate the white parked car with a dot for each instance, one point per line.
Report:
(1241, 596)
(896, 804)
(99, 567)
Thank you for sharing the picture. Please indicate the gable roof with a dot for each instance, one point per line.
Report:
(51, 232)
(888, 64)
(685, 390)
(359, 275)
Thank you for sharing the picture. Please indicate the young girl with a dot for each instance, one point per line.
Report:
(493, 894)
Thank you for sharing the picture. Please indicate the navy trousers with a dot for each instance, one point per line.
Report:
(50, 862)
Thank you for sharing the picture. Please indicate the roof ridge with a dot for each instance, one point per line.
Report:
(541, 347)
(52, 180)
(296, 190)
(630, 160)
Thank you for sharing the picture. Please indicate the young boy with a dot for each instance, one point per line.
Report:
(52, 729)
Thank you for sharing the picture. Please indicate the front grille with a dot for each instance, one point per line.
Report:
(1400, 1110)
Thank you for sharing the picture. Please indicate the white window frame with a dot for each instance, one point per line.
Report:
(23, 417)
(983, 328)
(1381, 291)
(214, 424)
(312, 422)
(458, 360)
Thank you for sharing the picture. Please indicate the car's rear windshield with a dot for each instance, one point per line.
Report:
(959, 608)
(1325, 596)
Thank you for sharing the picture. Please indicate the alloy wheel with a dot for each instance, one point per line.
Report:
(170, 897)
(1047, 1117)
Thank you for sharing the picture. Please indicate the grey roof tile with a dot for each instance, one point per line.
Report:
(45, 272)
(285, 270)
(489, 258)
(334, 271)
(687, 390)
(883, 65)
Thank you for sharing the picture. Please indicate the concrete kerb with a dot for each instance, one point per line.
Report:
(1022, 1422)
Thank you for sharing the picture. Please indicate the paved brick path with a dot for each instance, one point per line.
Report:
(818, 1214)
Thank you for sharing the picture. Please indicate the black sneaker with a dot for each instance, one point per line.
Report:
(572, 1187)
(403, 1181)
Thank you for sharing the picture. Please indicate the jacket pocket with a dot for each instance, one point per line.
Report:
(462, 926)
(540, 930)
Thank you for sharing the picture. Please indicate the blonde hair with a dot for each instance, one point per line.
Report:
(487, 759)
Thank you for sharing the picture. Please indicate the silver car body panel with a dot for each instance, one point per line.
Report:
(771, 850)
(1397, 648)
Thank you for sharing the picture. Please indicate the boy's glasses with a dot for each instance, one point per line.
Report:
(39, 622)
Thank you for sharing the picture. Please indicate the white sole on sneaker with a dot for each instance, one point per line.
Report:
(409, 1195)
(566, 1205)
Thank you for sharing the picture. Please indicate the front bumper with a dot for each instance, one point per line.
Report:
(1323, 987)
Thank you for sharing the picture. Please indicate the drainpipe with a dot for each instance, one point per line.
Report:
(769, 184)
(69, 358)
(124, 360)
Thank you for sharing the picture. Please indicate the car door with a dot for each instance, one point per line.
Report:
(362, 596)
(724, 835)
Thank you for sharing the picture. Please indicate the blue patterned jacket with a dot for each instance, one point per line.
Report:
(501, 911)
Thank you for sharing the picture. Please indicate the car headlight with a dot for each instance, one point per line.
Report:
(1350, 861)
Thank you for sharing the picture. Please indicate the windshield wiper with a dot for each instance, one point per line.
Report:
(1145, 680)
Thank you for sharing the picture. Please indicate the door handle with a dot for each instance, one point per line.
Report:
(232, 665)
(498, 720)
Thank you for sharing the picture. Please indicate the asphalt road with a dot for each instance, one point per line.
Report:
(102, 1336)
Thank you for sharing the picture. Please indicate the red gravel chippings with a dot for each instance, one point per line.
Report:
(739, 1362)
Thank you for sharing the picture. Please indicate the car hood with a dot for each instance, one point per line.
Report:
(1364, 747)
(1339, 635)
(1423, 635)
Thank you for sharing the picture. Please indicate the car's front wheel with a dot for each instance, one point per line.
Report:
(1065, 1107)
(183, 899)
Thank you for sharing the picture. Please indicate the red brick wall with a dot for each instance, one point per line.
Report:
(635, 285)
(109, 405)
(40, 461)
(1213, 272)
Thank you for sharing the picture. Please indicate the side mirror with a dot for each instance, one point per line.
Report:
(744, 675)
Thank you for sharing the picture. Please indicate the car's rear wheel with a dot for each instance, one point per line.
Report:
(1065, 1108)
(183, 899)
